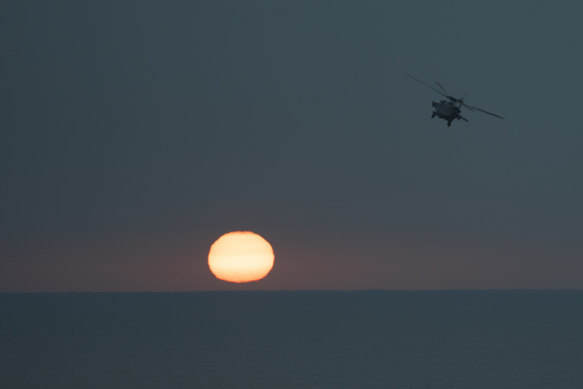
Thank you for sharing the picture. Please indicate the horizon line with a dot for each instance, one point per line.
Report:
(300, 291)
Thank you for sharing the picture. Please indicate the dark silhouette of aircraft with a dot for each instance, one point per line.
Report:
(450, 109)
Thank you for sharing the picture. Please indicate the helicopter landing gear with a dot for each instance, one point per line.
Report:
(432, 115)
(449, 123)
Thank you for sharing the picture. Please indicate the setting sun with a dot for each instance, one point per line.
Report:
(241, 256)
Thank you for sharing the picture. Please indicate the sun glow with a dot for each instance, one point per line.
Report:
(241, 256)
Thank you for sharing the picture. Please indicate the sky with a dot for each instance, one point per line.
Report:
(136, 133)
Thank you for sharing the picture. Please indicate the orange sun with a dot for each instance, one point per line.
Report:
(240, 256)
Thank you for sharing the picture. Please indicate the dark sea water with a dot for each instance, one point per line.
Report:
(376, 339)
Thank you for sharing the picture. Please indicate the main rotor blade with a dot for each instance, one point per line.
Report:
(462, 99)
(441, 87)
(482, 110)
(427, 85)
(465, 105)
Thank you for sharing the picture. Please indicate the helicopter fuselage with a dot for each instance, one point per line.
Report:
(446, 110)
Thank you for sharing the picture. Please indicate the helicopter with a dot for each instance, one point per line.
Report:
(449, 109)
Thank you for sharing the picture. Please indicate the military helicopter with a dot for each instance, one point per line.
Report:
(449, 109)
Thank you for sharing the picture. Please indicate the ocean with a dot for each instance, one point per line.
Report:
(293, 339)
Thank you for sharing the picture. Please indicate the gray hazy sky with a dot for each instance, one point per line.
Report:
(135, 133)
